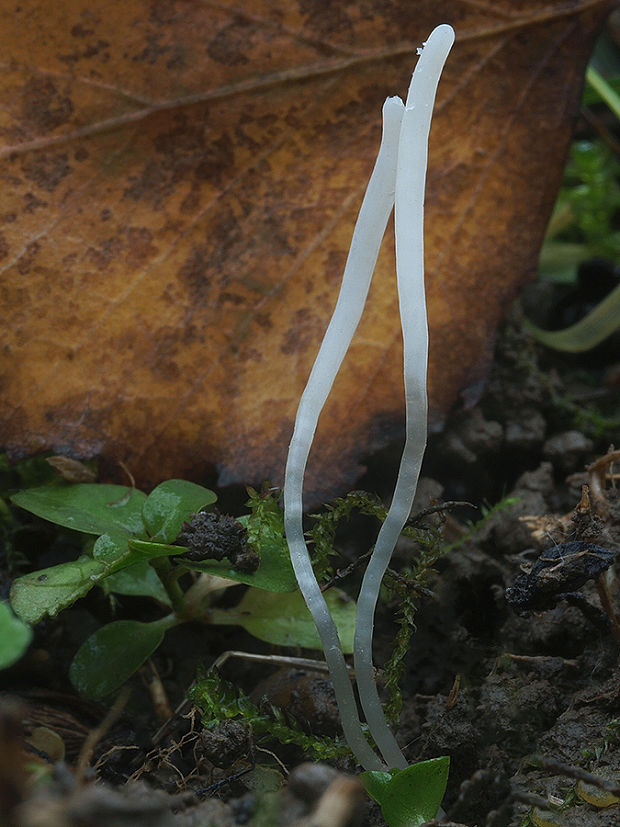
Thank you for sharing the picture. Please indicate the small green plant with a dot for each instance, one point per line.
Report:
(584, 217)
(592, 754)
(408, 797)
(412, 796)
(134, 554)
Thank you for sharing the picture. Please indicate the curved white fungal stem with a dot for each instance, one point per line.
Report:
(409, 225)
(399, 173)
(367, 236)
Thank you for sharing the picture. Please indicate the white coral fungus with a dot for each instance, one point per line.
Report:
(398, 180)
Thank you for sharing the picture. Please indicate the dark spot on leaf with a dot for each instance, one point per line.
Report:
(162, 361)
(90, 51)
(301, 332)
(191, 202)
(230, 298)
(33, 203)
(80, 31)
(325, 19)
(185, 151)
(195, 273)
(218, 156)
(152, 51)
(163, 12)
(152, 184)
(336, 259)
(232, 43)
(139, 245)
(25, 261)
(43, 107)
(46, 169)
(107, 252)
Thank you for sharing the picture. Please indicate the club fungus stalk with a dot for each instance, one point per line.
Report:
(399, 174)
(367, 236)
(409, 229)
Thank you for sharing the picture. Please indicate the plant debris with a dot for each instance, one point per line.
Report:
(560, 569)
(210, 536)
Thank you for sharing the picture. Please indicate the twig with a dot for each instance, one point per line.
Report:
(437, 509)
(96, 734)
(560, 768)
(536, 659)
(128, 472)
(342, 574)
(530, 799)
(597, 473)
(159, 698)
(215, 787)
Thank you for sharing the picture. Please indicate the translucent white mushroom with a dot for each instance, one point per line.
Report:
(399, 176)
(409, 229)
(367, 236)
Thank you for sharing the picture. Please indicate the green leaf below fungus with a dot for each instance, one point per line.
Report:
(137, 580)
(113, 653)
(412, 796)
(15, 636)
(89, 507)
(284, 620)
(170, 505)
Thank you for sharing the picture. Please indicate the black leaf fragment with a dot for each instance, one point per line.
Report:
(560, 569)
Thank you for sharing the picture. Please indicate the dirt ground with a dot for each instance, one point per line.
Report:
(513, 670)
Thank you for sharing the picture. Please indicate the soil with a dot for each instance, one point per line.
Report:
(513, 670)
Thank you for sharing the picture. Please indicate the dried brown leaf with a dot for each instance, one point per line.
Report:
(179, 187)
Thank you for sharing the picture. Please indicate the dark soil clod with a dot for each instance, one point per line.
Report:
(560, 569)
(210, 536)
